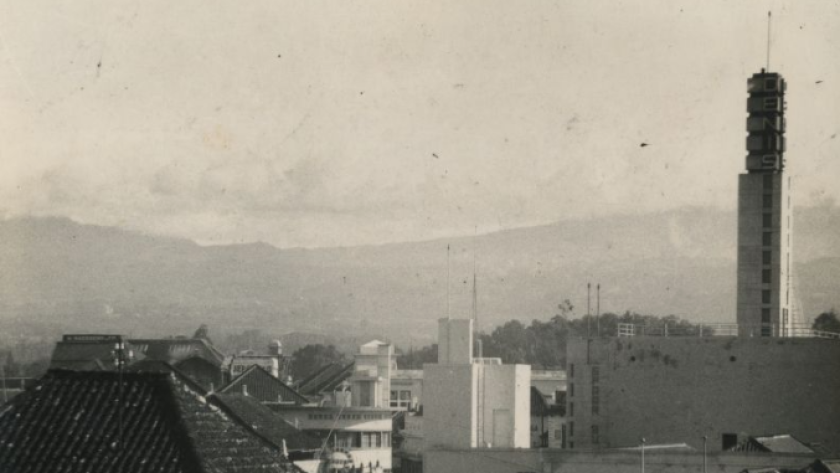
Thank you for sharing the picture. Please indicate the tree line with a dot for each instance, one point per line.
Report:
(542, 344)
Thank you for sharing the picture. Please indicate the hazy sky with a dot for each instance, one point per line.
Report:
(315, 123)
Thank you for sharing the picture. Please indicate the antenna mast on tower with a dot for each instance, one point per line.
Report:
(769, 16)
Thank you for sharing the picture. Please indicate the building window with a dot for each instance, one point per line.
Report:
(768, 201)
(571, 429)
(766, 258)
(401, 398)
(765, 296)
(766, 276)
(767, 238)
(596, 438)
(765, 316)
(571, 389)
(767, 220)
(571, 370)
(571, 409)
(563, 438)
(596, 399)
(596, 374)
(768, 182)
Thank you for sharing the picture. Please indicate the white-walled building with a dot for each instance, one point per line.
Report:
(355, 420)
(471, 402)
(371, 379)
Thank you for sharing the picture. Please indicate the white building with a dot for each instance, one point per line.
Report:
(473, 402)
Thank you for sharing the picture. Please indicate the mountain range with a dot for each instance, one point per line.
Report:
(59, 276)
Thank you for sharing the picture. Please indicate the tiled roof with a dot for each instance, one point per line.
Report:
(69, 422)
(265, 422)
(259, 383)
(325, 379)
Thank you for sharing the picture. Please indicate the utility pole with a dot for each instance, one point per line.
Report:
(643, 455)
(121, 358)
(588, 317)
(598, 308)
(705, 439)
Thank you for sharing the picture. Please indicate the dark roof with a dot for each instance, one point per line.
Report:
(206, 373)
(265, 422)
(263, 386)
(824, 466)
(775, 444)
(327, 378)
(173, 350)
(92, 355)
(68, 422)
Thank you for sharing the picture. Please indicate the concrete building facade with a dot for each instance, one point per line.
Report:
(679, 389)
(362, 434)
(371, 379)
(764, 217)
(473, 402)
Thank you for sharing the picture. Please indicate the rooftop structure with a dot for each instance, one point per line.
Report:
(92, 422)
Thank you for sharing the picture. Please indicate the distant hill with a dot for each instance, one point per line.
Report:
(60, 276)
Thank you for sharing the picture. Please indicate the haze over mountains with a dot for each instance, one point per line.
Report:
(59, 276)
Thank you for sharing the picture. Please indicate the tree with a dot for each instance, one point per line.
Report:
(203, 333)
(308, 359)
(414, 359)
(827, 322)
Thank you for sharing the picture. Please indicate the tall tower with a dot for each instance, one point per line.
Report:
(764, 216)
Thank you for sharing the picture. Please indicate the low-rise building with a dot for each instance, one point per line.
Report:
(362, 434)
(473, 402)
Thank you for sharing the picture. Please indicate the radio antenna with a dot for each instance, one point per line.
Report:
(769, 16)
(447, 282)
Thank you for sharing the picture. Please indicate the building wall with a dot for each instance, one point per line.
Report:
(505, 405)
(550, 425)
(455, 341)
(410, 381)
(449, 409)
(672, 390)
(564, 461)
(763, 197)
(549, 382)
(320, 420)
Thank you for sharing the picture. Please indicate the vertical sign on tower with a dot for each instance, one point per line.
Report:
(766, 123)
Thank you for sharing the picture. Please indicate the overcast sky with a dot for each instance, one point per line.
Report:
(314, 123)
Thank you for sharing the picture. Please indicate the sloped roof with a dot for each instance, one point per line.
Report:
(173, 350)
(76, 353)
(824, 466)
(89, 355)
(265, 422)
(69, 422)
(775, 444)
(325, 379)
(263, 386)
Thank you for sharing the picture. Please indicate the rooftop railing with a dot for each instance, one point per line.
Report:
(723, 330)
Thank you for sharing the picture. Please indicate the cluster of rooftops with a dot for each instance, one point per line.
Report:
(172, 408)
